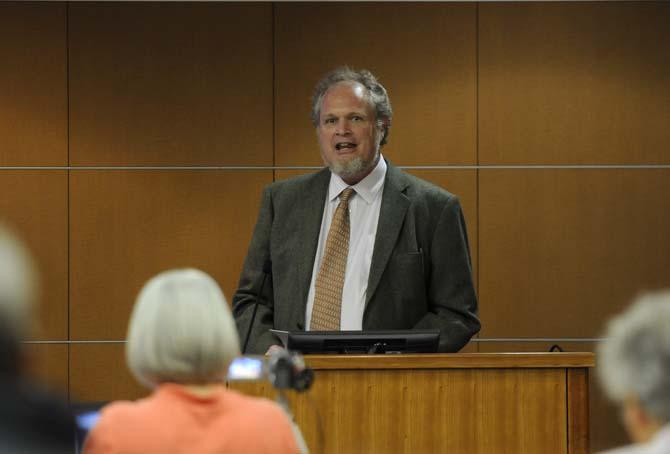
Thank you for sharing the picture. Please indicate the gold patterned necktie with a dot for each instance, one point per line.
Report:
(330, 279)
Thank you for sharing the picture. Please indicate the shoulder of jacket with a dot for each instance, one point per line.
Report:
(301, 182)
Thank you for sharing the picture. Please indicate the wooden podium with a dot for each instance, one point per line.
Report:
(443, 403)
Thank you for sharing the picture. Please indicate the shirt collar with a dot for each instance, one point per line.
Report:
(368, 188)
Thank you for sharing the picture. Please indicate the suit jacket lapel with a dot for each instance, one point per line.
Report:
(310, 211)
(391, 216)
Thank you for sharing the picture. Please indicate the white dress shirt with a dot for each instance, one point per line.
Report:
(364, 208)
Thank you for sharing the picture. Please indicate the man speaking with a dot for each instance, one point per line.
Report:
(359, 245)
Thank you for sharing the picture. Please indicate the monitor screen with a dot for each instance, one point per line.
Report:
(247, 368)
(363, 342)
(86, 415)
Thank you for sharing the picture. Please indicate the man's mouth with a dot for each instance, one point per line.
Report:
(344, 145)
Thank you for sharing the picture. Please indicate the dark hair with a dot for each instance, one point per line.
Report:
(376, 94)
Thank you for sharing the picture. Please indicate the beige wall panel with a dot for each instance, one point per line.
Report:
(488, 346)
(470, 347)
(606, 429)
(126, 226)
(457, 181)
(48, 363)
(33, 84)
(562, 249)
(34, 204)
(98, 373)
(497, 346)
(195, 87)
(574, 82)
(424, 54)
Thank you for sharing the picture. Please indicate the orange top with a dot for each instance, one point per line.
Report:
(173, 421)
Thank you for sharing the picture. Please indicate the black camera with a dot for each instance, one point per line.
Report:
(287, 370)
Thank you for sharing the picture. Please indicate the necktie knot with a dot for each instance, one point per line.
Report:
(346, 195)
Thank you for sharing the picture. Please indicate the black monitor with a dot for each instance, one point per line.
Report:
(363, 342)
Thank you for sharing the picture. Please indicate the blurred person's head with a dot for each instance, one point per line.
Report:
(352, 114)
(181, 330)
(18, 284)
(31, 419)
(634, 364)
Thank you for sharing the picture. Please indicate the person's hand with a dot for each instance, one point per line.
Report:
(274, 349)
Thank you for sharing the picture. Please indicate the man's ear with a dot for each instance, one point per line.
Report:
(382, 125)
(385, 123)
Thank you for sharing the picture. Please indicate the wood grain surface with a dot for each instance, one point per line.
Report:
(471, 404)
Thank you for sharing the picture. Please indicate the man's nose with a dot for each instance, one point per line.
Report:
(343, 128)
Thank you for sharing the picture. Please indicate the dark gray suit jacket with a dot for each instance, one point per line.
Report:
(420, 276)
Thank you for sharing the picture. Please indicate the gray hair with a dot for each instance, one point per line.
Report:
(376, 94)
(181, 330)
(635, 357)
(18, 285)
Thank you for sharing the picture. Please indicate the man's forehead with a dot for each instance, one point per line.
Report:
(345, 95)
(347, 87)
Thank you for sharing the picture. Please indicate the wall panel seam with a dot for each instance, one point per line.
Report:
(67, 93)
(422, 167)
(477, 211)
(274, 89)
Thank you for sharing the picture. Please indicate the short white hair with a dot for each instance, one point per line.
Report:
(18, 285)
(635, 357)
(181, 330)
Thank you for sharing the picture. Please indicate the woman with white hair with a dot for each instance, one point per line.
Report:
(634, 369)
(181, 339)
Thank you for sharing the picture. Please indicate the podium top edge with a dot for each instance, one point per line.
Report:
(560, 360)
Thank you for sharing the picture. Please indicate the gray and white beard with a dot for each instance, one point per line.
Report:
(349, 168)
(353, 167)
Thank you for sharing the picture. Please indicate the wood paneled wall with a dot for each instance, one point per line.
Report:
(137, 137)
